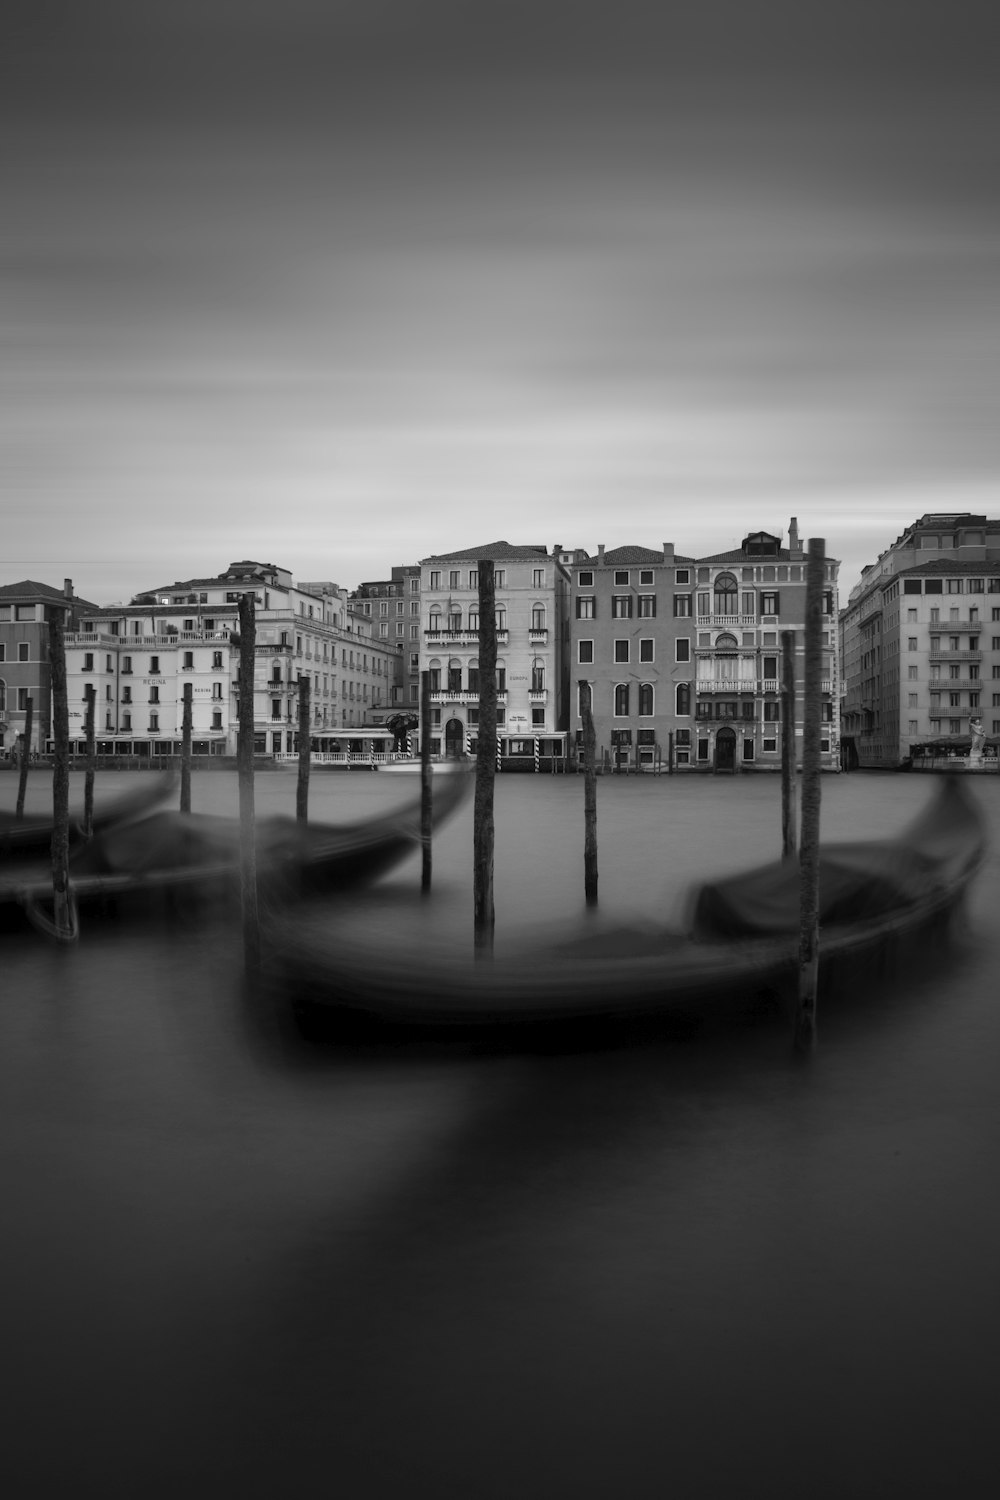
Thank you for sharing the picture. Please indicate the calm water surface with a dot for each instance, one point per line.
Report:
(232, 1267)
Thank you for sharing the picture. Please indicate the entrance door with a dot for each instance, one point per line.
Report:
(725, 750)
(454, 737)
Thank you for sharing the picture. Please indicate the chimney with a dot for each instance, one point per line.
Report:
(68, 588)
(556, 549)
(668, 551)
(600, 552)
(794, 545)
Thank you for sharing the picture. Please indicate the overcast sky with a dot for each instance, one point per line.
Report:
(340, 285)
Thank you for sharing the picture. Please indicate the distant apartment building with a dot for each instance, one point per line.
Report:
(140, 658)
(920, 640)
(684, 653)
(532, 588)
(392, 606)
(25, 611)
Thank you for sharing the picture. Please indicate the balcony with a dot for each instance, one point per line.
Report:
(456, 695)
(940, 655)
(458, 637)
(538, 695)
(538, 637)
(726, 622)
(734, 685)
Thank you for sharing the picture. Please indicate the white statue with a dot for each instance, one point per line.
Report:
(978, 742)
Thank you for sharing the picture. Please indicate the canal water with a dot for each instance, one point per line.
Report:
(695, 1269)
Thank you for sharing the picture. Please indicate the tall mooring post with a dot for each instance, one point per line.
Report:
(62, 907)
(589, 795)
(244, 761)
(305, 725)
(426, 783)
(186, 747)
(486, 757)
(22, 778)
(91, 762)
(805, 1012)
(788, 819)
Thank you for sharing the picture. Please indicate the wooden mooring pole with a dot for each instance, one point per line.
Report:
(805, 1012)
(244, 760)
(305, 748)
(22, 779)
(486, 758)
(426, 783)
(788, 819)
(62, 908)
(589, 795)
(88, 779)
(186, 748)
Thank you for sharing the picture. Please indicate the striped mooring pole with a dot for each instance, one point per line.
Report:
(538, 759)
(498, 753)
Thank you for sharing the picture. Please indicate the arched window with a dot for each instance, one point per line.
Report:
(474, 675)
(434, 619)
(434, 674)
(454, 618)
(537, 676)
(538, 617)
(621, 700)
(501, 616)
(726, 642)
(454, 675)
(501, 675)
(682, 698)
(725, 594)
(3, 696)
(645, 700)
(473, 617)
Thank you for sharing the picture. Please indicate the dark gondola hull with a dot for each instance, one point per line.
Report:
(194, 859)
(738, 950)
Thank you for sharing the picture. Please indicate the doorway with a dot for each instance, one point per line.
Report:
(454, 738)
(725, 750)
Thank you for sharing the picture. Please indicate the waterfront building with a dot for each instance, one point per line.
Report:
(920, 641)
(392, 605)
(684, 653)
(139, 658)
(532, 600)
(25, 611)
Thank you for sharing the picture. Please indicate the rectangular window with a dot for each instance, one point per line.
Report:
(621, 650)
(586, 607)
(646, 649)
(769, 603)
(126, 694)
(435, 582)
(682, 604)
(585, 651)
(911, 643)
(682, 649)
(154, 664)
(538, 578)
(586, 579)
(621, 606)
(772, 710)
(911, 672)
(645, 577)
(453, 578)
(188, 661)
(154, 695)
(621, 577)
(154, 723)
(126, 664)
(703, 750)
(911, 616)
(500, 578)
(912, 700)
(647, 606)
(88, 660)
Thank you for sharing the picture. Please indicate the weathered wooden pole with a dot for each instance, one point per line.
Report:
(670, 753)
(88, 779)
(186, 748)
(244, 760)
(426, 783)
(486, 759)
(22, 779)
(805, 1013)
(305, 747)
(788, 831)
(589, 795)
(62, 911)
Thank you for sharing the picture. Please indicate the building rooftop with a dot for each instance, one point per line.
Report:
(495, 551)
